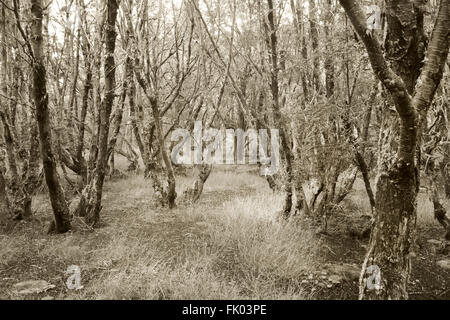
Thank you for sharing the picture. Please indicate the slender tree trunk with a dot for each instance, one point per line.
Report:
(274, 87)
(144, 148)
(297, 11)
(56, 192)
(117, 120)
(87, 89)
(329, 63)
(95, 196)
(31, 170)
(18, 197)
(440, 214)
(4, 201)
(314, 34)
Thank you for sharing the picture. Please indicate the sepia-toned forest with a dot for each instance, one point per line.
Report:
(352, 97)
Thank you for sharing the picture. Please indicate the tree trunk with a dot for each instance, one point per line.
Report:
(440, 214)
(297, 11)
(56, 192)
(31, 169)
(405, 39)
(274, 87)
(4, 202)
(314, 34)
(329, 63)
(194, 193)
(96, 188)
(87, 88)
(390, 246)
(171, 193)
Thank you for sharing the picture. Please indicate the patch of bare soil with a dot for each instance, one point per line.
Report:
(429, 280)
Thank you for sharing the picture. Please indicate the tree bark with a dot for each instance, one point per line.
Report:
(390, 245)
(274, 87)
(314, 34)
(329, 63)
(56, 192)
(4, 201)
(96, 189)
(440, 214)
(405, 39)
(171, 193)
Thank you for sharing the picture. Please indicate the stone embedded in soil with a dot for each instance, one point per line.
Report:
(335, 279)
(445, 264)
(48, 298)
(346, 270)
(435, 242)
(32, 286)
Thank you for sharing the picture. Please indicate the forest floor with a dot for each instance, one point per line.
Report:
(229, 245)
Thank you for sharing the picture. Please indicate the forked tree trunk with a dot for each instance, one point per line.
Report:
(96, 184)
(171, 193)
(136, 119)
(391, 241)
(56, 192)
(405, 39)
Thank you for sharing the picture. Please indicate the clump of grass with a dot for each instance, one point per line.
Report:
(258, 245)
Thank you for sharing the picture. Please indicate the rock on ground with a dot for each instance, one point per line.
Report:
(32, 286)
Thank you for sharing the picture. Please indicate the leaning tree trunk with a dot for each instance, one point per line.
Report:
(56, 192)
(194, 193)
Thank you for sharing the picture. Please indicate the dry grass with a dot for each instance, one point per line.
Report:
(228, 246)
